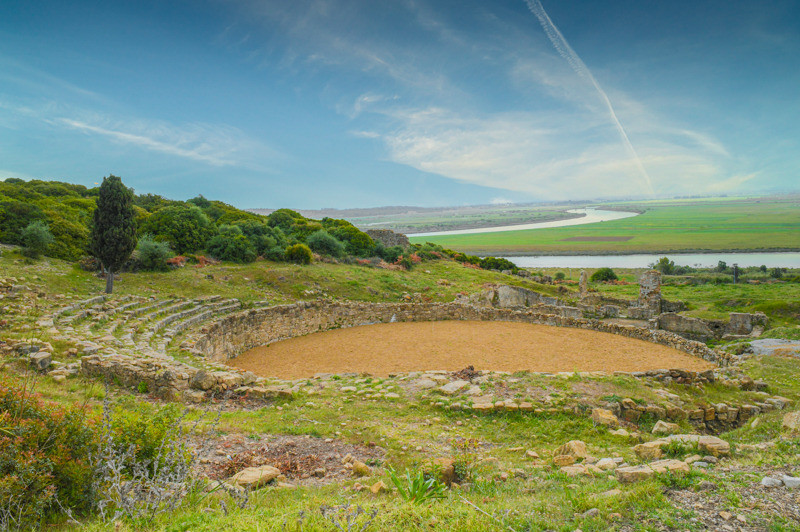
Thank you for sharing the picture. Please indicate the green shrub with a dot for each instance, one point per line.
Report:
(560, 276)
(37, 238)
(324, 243)
(185, 227)
(44, 459)
(136, 426)
(390, 254)
(231, 245)
(152, 255)
(276, 253)
(603, 274)
(664, 265)
(299, 254)
(497, 263)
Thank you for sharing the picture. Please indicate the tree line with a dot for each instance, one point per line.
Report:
(111, 227)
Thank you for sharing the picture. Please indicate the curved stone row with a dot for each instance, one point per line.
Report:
(234, 334)
(138, 358)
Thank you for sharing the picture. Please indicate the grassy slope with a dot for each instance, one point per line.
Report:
(663, 227)
(276, 282)
(541, 498)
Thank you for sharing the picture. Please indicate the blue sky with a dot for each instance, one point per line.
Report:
(333, 103)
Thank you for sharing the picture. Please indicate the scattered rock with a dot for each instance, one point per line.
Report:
(791, 482)
(606, 464)
(562, 460)
(591, 513)
(574, 448)
(573, 470)
(360, 469)
(601, 416)
(645, 471)
(378, 487)
(452, 388)
(41, 360)
(791, 422)
(650, 450)
(769, 482)
(255, 477)
(709, 444)
(663, 427)
(202, 380)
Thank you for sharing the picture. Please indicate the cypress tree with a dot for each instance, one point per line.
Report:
(113, 236)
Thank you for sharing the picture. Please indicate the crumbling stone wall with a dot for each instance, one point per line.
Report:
(388, 237)
(237, 333)
(650, 290)
(703, 330)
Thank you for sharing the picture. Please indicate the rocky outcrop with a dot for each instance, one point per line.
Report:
(388, 237)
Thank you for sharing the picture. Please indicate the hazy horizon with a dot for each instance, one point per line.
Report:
(335, 104)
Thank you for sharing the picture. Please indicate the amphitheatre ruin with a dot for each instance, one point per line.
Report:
(225, 348)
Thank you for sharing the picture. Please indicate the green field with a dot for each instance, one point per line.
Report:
(707, 225)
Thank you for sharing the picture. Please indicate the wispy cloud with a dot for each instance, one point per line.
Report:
(543, 156)
(565, 50)
(192, 142)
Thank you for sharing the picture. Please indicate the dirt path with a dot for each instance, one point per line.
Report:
(452, 345)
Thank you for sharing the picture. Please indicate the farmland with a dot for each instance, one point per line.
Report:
(669, 226)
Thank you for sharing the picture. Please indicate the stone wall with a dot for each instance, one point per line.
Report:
(740, 324)
(650, 290)
(237, 333)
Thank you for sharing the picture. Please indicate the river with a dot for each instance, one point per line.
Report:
(592, 216)
(771, 260)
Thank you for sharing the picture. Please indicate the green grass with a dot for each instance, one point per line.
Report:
(755, 224)
(414, 431)
(265, 280)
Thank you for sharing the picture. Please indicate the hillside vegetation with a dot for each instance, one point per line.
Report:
(195, 230)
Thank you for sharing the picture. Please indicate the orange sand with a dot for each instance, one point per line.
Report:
(453, 345)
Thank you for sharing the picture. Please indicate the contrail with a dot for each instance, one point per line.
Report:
(565, 50)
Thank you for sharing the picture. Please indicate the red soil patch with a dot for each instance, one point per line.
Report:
(452, 345)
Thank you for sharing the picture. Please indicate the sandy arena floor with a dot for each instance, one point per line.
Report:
(453, 345)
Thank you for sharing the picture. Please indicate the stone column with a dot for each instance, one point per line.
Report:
(650, 290)
(584, 283)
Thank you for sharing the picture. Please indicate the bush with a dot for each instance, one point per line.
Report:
(665, 266)
(152, 255)
(390, 254)
(325, 244)
(36, 237)
(604, 274)
(497, 263)
(231, 245)
(299, 254)
(137, 427)
(560, 276)
(44, 459)
(275, 253)
(185, 227)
